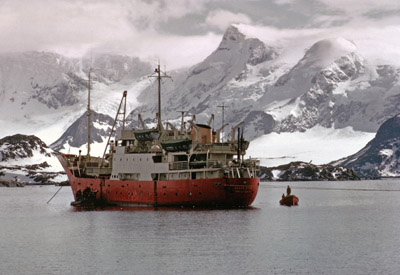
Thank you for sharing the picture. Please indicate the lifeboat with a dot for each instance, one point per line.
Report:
(289, 200)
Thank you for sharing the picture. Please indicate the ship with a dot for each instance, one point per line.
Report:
(187, 166)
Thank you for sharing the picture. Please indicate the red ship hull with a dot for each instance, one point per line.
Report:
(224, 192)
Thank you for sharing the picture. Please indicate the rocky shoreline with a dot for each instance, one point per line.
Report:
(302, 171)
(10, 183)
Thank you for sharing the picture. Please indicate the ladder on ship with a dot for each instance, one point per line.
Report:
(121, 112)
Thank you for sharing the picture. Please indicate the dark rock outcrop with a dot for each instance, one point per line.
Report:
(76, 135)
(25, 160)
(301, 171)
(379, 158)
(21, 146)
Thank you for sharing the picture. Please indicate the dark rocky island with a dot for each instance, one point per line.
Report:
(302, 171)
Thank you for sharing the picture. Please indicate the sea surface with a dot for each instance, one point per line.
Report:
(338, 228)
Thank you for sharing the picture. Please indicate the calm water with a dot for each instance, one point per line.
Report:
(338, 228)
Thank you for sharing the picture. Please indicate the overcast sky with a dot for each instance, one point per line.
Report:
(183, 32)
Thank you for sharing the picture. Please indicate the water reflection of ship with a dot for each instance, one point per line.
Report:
(165, 166)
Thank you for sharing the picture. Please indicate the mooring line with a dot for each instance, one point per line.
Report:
(55, 194)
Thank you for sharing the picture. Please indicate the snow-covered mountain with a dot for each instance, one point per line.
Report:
(347, 92)
(379, 158)
(27, 159)
(48, 92)
(76, 135)
(332, 85)
(206, 85)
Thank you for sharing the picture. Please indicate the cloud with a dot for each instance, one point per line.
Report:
(127, 27)
(284, 2)
(47, 24)
(324, 21)
(223, 18)
(378, 42)
(135, 27)
(360, 7)
(150, 14)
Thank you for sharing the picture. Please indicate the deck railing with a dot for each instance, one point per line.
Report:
(178, 165)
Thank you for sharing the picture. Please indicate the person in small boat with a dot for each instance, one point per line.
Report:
(283, 196)
(288, 190)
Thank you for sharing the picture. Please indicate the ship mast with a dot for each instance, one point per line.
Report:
(157, 74)
(89, 117)
(223, 106)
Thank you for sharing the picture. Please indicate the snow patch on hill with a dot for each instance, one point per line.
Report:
(28, 159)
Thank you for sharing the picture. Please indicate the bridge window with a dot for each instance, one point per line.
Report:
(180, 158)
(157, 159)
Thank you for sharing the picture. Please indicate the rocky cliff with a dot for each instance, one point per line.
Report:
(380, 157)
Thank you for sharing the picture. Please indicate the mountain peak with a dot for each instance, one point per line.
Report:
(231, 37)
(76, 134)
(321, 54)
(233, 33)
(325, 51)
